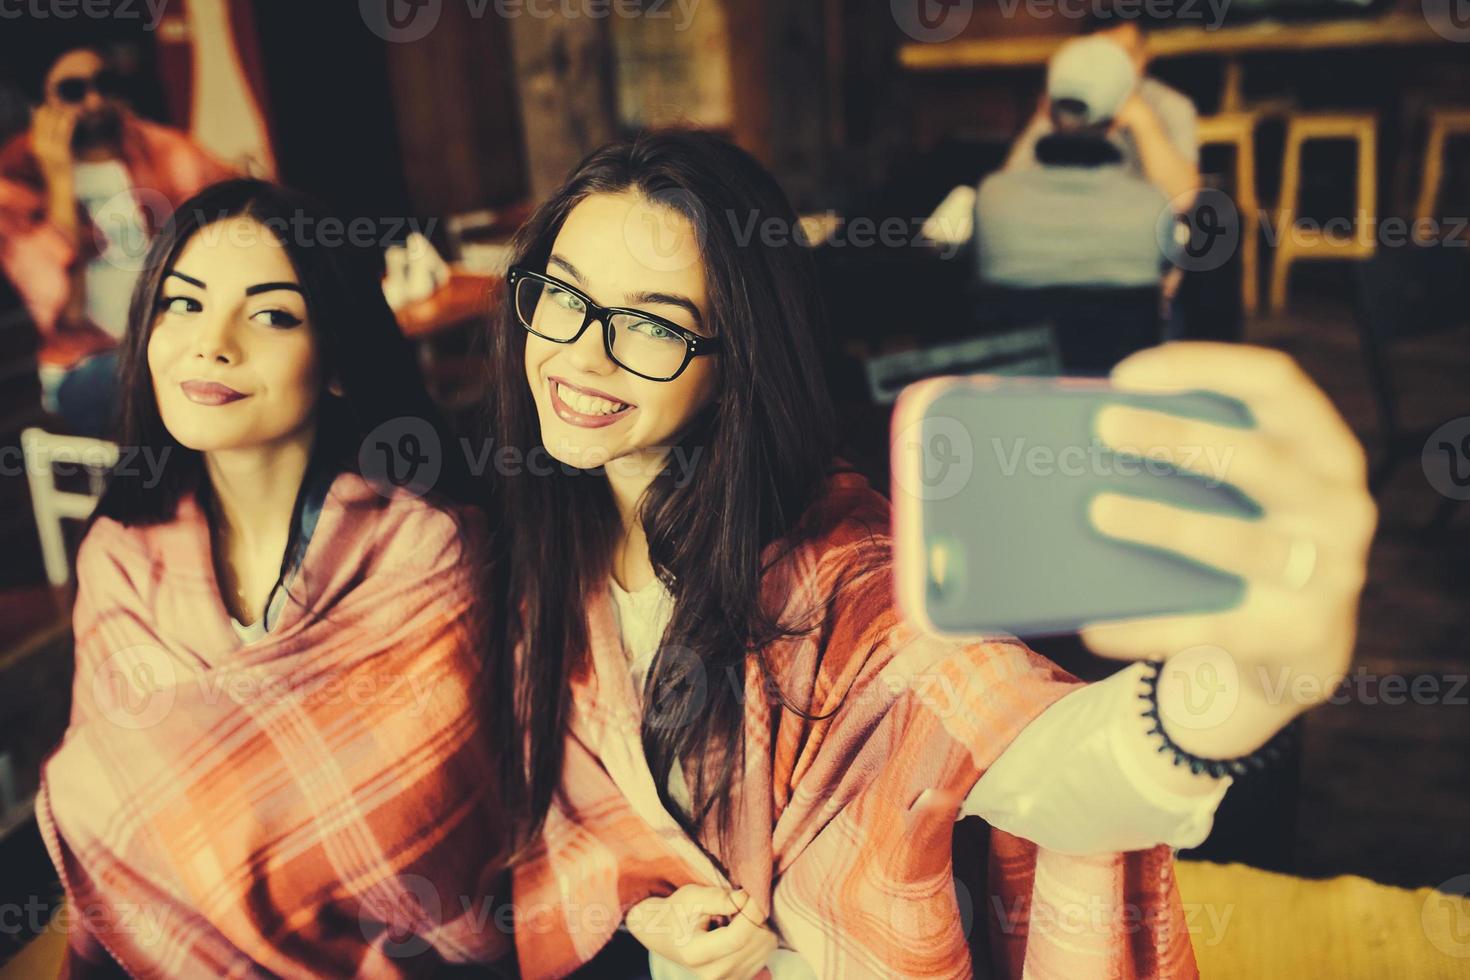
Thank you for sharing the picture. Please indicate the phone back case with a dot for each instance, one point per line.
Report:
(992, 479)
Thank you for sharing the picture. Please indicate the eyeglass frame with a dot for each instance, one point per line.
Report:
(695, 345)
(106, 82)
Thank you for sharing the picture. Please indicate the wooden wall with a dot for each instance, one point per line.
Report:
(564, 78)
(459, 120)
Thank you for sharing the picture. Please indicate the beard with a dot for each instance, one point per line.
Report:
(98, 130)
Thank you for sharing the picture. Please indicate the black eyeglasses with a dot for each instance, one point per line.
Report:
(641, 343)
(74, 90)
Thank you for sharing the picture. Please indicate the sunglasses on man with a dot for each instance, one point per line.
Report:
(74, 90)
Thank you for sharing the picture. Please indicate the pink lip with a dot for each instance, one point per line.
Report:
(210, 393)
(571, 416)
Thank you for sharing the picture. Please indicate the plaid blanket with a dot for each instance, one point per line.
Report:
(313, 804)
(844, 826)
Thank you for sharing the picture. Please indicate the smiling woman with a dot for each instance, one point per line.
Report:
(736, 745)
(275, 742)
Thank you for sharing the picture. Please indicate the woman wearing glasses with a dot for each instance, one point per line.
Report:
(734, 745)
(276, 760)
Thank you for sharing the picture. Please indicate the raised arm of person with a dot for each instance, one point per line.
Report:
(1221, 693)
(1304, 560)
(51, 137)
(1164, 164)
(40, 227)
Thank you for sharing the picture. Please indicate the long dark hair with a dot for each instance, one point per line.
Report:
(759, 453)
(360, 347)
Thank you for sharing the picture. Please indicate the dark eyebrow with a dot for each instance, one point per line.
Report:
(189, 279)
(663, 299)
(569, 267)
(669, 299)
(270, 287)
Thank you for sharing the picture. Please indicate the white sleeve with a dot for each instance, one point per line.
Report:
(1071, 783)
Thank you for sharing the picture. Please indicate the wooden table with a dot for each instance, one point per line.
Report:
(465, 297)
(1245, 922)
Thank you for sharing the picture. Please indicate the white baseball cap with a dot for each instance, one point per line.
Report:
(1094, 71)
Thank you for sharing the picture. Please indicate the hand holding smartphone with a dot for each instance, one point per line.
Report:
(1207, 507)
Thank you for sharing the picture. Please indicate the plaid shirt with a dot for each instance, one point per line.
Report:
(841, 849)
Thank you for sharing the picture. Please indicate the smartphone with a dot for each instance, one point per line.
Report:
(992, 479)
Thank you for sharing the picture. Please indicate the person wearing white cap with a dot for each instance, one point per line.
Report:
(1154, 126)
(1081, 214)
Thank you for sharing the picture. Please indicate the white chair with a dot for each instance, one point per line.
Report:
(43, 451)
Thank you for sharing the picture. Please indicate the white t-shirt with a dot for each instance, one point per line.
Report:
(105, 192)
(257, 630)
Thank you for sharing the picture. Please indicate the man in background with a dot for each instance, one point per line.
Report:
(81, 194)
(1081, 212)
(1077, 236)
(1156, 128)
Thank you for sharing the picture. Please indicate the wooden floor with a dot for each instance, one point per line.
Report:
(1385, 786)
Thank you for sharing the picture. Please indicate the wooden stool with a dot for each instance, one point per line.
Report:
(1238, 129)
(1443, 124)
(1232, 95)
(1293, 243)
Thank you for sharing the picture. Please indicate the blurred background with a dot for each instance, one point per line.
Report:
(1332, 143)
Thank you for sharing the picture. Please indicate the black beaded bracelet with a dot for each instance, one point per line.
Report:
(1239, 766)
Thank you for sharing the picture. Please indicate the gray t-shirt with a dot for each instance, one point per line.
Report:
(1176, 113)
(1071, 226)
